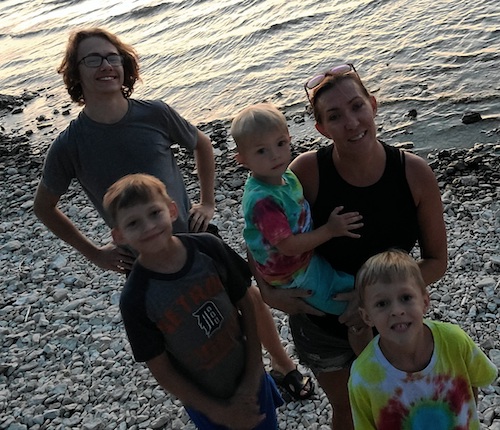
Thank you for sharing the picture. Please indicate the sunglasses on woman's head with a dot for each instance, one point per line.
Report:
(342, 69)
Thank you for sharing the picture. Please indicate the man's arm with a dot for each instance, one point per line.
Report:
(203, 212)
(107, 257)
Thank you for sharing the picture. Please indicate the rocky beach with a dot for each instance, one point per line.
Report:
(65, 362)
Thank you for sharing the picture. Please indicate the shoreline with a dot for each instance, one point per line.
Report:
(65, 360)
(43, 114)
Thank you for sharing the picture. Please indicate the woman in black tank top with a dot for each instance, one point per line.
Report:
(399, 199)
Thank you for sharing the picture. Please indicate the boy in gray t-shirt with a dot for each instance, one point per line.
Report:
(187, 312)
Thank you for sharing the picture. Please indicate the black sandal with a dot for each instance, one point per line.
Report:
(294, 383)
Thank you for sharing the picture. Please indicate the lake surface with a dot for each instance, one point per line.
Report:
(210, 58)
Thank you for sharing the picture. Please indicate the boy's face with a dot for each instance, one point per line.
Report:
(146, 227)
(104, 79)
(267, 156)
(396, 310)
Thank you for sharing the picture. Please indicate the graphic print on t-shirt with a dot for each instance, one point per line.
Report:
(209, 318)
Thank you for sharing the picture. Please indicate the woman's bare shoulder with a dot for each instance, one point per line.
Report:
(421, 178)
(303, 162)
(416, 167)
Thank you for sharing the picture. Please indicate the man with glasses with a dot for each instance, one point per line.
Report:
(115, 135)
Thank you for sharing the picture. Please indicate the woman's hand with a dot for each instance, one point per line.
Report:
(289, 301)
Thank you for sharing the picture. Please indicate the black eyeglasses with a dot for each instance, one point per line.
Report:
(95, 60)
(313, 82)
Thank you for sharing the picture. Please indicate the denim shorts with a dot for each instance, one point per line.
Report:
(319, 350)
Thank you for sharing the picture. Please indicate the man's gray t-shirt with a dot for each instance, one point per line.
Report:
(97, 155)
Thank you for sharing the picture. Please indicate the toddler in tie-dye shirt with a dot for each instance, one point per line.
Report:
(416, 373)
(278, 227)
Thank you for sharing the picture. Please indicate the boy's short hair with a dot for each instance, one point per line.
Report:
(387, 267)
(256, 119)
(138, 188)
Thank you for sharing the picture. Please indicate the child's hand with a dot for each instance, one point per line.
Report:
(342, 224)
(241, 413)
(245, 396)
(245, 411)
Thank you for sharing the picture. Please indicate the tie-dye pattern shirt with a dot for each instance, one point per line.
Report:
(439, 397)
(273, 213)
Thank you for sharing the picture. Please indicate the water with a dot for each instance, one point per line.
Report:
(210, 58)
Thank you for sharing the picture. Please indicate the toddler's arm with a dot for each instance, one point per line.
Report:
(336, 226)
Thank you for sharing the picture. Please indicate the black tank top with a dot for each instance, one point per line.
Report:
(388, 210)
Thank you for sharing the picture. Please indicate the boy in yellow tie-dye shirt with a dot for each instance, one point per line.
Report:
(416, 373)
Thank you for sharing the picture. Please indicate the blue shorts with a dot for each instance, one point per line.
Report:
(269, 400)
(324, 282)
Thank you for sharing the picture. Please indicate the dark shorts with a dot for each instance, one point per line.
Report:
(319, 350)
(269, 400)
